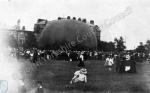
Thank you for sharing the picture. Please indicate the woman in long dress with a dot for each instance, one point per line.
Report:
(107, 61)
(81, 59)
(122, 65)
(133, 65)
(110, 63)
(127, 62)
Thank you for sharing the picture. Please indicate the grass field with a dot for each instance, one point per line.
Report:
(56, 76)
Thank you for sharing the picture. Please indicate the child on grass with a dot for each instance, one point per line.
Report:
(79, 76)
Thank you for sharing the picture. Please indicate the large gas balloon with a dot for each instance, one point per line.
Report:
(68, 35)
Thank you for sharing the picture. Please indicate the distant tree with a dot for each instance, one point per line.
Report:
(110, 46)
(40, 20)
(141, 48)
(84, 20)
(102, 46)
(74, 18)
(30, 41)
(147, 46)
(119, 44)
(59, 18)
(79, 19)
(106, 46)
(68, 17)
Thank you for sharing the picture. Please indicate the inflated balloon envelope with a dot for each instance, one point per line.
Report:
(68, 35)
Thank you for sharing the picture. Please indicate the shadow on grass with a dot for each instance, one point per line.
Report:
(138, 88)
(85, 87)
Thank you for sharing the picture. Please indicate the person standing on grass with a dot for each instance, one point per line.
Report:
(107, 61)
(95, 55)
(128, 62)
(118, 63)
(149, 57)
(35, 56)
(81, 59)
(31, 56)
(17, 54)
(122, 64)
(133, 64)
(110, 63)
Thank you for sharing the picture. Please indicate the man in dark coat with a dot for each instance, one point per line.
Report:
(122, 65)
(118, 63)
(17, 54)
(133, 65)
(35, 56)
(85, 56)
(149, 57)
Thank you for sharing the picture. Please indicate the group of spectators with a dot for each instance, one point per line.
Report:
(37, 54)
(69, 55)
(124, 62)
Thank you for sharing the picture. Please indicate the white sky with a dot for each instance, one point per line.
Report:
(134, 27)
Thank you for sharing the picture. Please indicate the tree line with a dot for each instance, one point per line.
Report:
(143, 48)
(30, 42)
(118, 45)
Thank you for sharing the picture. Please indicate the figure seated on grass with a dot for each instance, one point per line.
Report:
(79, 76)
(39, 87)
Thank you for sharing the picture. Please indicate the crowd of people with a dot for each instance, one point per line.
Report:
(124, 62)
(37, 54)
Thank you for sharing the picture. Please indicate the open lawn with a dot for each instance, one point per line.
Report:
(56, 76)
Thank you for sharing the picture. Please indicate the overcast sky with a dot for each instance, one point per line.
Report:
(134, 28)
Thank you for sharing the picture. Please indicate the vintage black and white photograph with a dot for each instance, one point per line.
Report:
(74, 46)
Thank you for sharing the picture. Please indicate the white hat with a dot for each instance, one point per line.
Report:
(83, 71)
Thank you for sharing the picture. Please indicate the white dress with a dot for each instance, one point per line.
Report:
(111, 62)
(82, 58)
(79, 77)
(106, 62)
